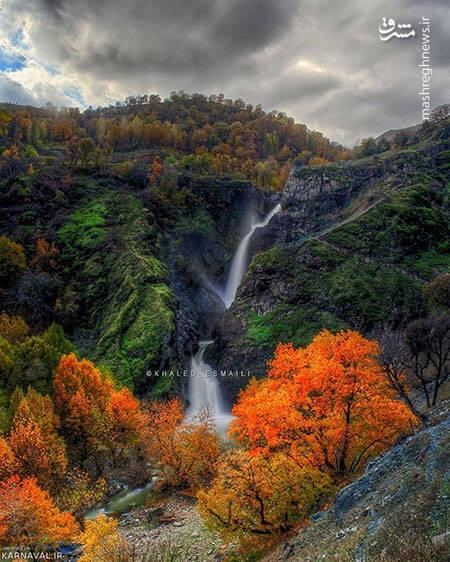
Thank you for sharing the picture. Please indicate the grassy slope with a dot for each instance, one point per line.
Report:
(111, 245)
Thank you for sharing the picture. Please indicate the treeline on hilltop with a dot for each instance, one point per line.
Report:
(200, 134)
(194, 133)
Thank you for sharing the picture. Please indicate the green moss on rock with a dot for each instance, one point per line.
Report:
(286, 324)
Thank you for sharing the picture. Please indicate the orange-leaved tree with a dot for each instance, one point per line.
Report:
(185, 452)
(28, 515)
(9, 464)
(81, 396)
(29, 449)
(327, 405)
(34, 439)
(97, 420)
(46, 256)
(257, 495)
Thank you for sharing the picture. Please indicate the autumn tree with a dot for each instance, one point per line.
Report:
(102, 541)
(126, 425)
(79, 492)
(46, 256)
(29, 448)
(13, 328)
(327, 405)
(8, 462)
(5, 119)
(81, 395)
(28, 516)
(34, 439)
(317, 161)
(256, 495)
(7, 362)
(83, 153)
(185, 452)
(12, 164)
(12, 261)
(97, 420)
(156, 171)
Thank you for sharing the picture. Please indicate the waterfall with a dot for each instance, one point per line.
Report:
(203, 387)
(239, 261)
(203, 390)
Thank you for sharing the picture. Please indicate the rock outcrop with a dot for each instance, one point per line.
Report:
(328, 259)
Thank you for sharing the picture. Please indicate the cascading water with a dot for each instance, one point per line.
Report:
(204, 391)
(239, 261)
(203, 388)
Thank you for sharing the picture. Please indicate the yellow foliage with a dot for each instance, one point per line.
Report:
(255, 495)
(102, 541)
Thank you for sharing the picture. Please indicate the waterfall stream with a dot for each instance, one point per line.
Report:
(239, 261)
(203, 387)
(203, 390)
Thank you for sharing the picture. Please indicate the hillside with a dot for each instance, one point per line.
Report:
(122, 230)
(354, 245)
(397, 510)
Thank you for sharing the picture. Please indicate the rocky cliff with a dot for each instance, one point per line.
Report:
(352, 247)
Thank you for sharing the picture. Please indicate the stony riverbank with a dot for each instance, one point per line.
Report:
(173, 527)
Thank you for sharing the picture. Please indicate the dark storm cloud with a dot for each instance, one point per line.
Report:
(320, 61)
(164, 36)
(245, 26)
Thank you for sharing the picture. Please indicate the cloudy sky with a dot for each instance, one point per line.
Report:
(320, 61)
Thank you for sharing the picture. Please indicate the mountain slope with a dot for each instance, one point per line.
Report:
(354, 245)
(396, 511)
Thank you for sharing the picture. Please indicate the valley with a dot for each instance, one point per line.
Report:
(197, 235)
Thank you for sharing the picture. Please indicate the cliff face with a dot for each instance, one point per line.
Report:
(315, 199)
(197, 248)
(351, 247)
